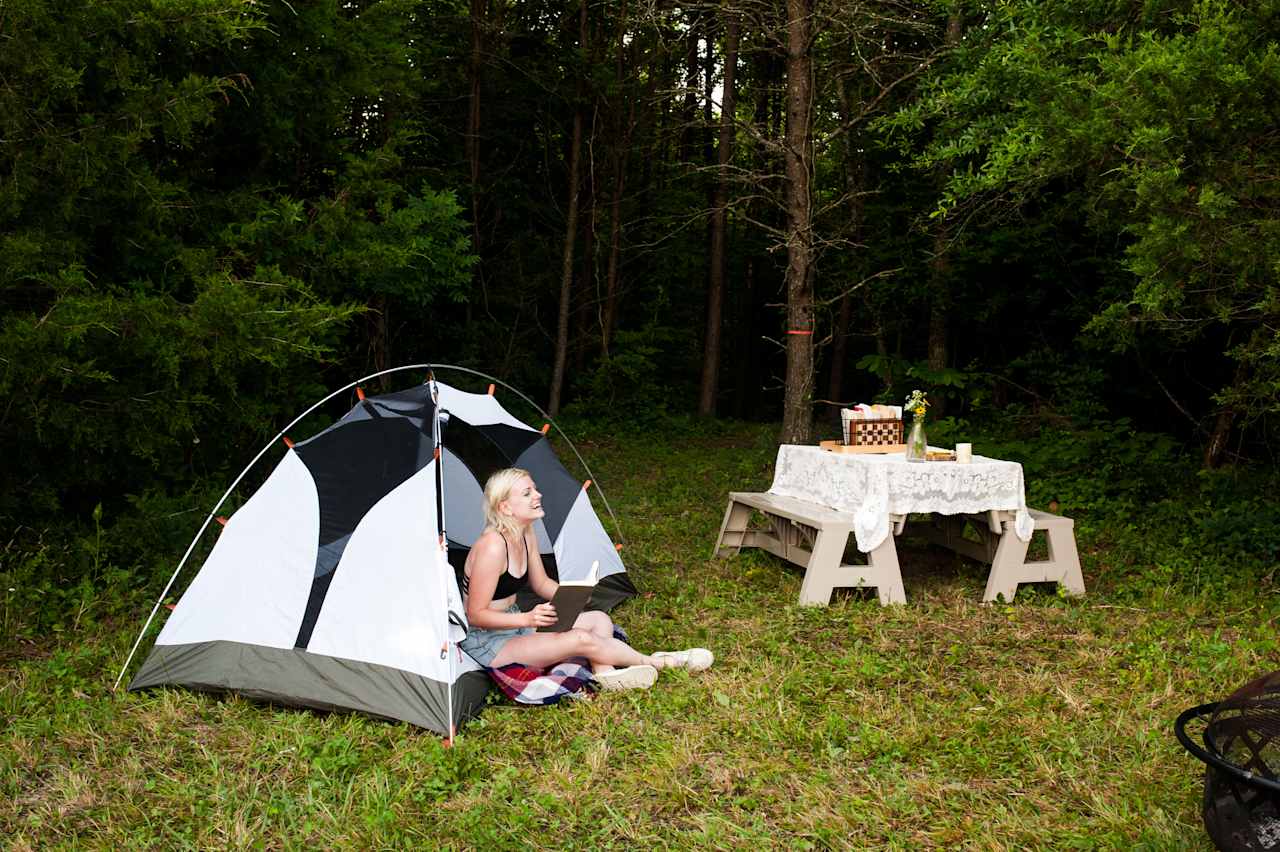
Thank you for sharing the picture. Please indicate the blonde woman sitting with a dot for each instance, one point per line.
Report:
(503, 561)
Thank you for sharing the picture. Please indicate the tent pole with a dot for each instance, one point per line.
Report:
(437, 438)
(227, 494)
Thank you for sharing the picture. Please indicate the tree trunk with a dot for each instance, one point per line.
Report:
(940, 268)
(748, 391)
(472, 137)
(608, 316)
(797, 416)
(621, 157)
(570, 233)
(854, 181)
(839, 347)
(882, 349)
(692, 71)
(716, 280)
(1216, 448)
(586, 297)
(379, 338)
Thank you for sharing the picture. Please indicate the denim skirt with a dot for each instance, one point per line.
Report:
(483, 645)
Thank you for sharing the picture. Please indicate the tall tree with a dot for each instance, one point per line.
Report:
(719, 209)
(571, 228)
(797, 410)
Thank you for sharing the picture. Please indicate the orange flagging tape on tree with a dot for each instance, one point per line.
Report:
(799, 331)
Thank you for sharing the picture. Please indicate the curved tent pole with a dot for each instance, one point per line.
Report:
(227, 494)
(213, 512)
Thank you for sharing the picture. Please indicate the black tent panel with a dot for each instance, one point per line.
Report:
(512, 441)
(357, 464)
(474, 447)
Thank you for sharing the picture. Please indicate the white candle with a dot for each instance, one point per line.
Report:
(964, 453)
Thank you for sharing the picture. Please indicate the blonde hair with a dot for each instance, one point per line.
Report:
(497, 489)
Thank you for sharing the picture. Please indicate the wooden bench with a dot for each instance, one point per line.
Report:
(998, 546)
(813, 537)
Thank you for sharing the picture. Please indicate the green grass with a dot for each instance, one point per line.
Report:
(944, 723)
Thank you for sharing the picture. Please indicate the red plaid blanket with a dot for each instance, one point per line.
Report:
(530, 685)
(526, 685)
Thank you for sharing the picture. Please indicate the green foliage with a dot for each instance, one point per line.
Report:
(189, 223)
(124, 380)
(945, 382)
(1160, 118)
(636, 382)
(370, 239)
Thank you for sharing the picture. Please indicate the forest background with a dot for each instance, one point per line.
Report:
(1059, 219)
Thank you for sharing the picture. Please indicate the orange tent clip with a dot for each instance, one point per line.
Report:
(359, 393)
(287, 442)
(490, 390)
(222, 520)
(546, 427)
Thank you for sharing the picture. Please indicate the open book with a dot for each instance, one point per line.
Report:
(571, 599)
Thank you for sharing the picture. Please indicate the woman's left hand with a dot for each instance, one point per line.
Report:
(542, 615)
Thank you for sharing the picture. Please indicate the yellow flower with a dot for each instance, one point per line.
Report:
(920, 410)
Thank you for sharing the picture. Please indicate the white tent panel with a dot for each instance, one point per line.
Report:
(388, 602)
(544, 540)
(582, 541)
(478, 409)
(253, 588)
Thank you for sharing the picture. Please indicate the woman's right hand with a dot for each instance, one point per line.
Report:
(542, 615)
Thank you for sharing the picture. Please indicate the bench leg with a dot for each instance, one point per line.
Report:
(1006, 567)
(1062, 550)
(887, 573)
(822, 574)
(732, 530)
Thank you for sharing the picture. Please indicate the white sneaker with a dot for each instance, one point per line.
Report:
(631, 677)
(693, 659)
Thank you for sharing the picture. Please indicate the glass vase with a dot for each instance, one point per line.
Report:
(917, 442)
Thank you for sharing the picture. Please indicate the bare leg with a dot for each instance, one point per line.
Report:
(601, 625)
(546, 649)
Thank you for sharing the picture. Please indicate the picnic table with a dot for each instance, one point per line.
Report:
(818, 498)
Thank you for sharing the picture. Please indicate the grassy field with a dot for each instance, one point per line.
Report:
(1044, 724)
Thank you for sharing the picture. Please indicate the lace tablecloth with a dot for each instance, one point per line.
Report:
(874, 486)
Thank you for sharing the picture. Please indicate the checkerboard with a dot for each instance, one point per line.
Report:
(874, 433)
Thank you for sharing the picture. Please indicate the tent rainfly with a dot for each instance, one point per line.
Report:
(332, 588)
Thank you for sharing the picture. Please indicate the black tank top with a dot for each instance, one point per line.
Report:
(507, 584)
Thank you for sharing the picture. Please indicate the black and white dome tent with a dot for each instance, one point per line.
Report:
(331, 587)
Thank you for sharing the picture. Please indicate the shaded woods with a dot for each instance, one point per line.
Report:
(212, 211)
